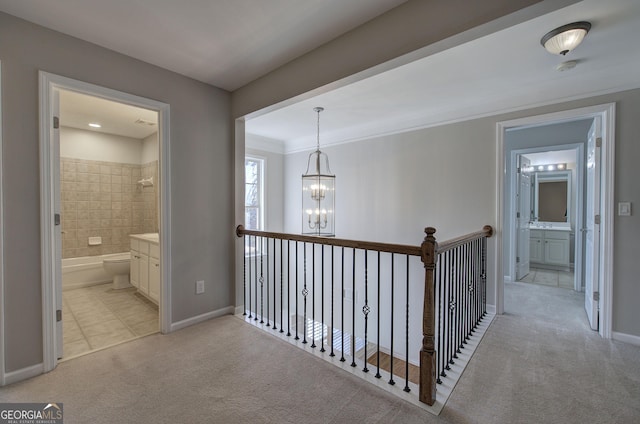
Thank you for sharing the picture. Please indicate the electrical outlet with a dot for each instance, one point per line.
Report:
(199, 286)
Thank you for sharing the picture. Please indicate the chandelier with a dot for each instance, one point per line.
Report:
(318, 192)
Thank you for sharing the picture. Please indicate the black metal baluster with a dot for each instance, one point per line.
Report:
(305, 292)
(244, 275)
(465, 296)
(365, 308)
(440, 326)
(475, 284)
(406, 365)
(275, 303)
(479, 289)
(446, 310)
(313, 295)
(288, 289)
(249, 305)
(297, 315)
(330, 333)
(256, 278)
(261, 294)
(342, 309)
(322, 300)
(470, 289)
(484, 276)
(391, 381)
(460, 307)
(452, 307)
(472, 286)
(262, 287)
(281, 288)
(353, 311)
(378, 313)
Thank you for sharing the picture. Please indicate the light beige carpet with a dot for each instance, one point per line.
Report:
(536, 364)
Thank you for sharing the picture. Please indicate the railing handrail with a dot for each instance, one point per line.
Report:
(487, 231)
(358, 244)
(441, 247)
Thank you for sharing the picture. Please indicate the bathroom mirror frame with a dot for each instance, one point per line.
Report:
(548, 177)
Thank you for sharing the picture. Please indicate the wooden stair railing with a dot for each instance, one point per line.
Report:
(429, 252)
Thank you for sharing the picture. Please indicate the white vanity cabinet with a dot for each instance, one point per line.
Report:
(550, 247)
(145, 265)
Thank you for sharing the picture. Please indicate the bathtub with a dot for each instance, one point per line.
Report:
(85, 271)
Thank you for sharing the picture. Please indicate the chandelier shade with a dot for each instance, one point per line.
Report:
(318, 193)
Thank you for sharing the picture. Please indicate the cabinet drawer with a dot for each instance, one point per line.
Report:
(536, 234)
(143, 247)
(556, 235)
(154, 250)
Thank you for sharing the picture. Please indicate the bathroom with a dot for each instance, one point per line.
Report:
(109, 203)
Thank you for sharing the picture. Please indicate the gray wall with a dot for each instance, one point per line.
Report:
(202, 174)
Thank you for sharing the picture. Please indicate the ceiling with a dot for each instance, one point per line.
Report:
(504, 71)
(78, 110)
(225, 43)
(230, 43)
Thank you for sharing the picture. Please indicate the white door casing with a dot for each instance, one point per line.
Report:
(49, 84)
(523, 217)
(606, 112)
(592, 226)
(57, 209)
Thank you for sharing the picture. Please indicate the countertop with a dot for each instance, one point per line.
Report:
(554, 227)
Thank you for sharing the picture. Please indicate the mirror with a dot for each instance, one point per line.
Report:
(552, 194)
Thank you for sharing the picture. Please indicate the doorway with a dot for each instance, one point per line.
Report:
(549, 187)
(506, 204)
(108, 191)
(51, 87)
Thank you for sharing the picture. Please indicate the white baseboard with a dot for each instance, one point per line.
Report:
(491, 309)
(23, 374)
(507, 279)
(239, 310)
(200, 318)
(627, 338)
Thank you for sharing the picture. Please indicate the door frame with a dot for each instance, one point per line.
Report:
(2, 332)
(48, 83)
(579, 205)
(607, 114)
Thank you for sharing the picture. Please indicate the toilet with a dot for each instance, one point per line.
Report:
(117, 266)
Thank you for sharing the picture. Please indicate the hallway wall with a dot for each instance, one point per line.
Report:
(201, 153)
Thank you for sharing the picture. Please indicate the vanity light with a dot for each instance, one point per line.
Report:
(565, 38)
(318, 193)
(551, 167)
(95, 125)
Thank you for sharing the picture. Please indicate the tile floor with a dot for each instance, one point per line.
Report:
(97, 317)
(548, 277)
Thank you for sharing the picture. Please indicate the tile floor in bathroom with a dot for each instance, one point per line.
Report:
(548, 277)
(98, 316)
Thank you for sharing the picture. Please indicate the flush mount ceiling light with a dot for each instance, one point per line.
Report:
(565, 38)
(95, 125)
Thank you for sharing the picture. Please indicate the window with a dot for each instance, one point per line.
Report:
(254, 193)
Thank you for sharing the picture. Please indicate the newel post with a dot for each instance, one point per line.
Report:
(428, 353)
